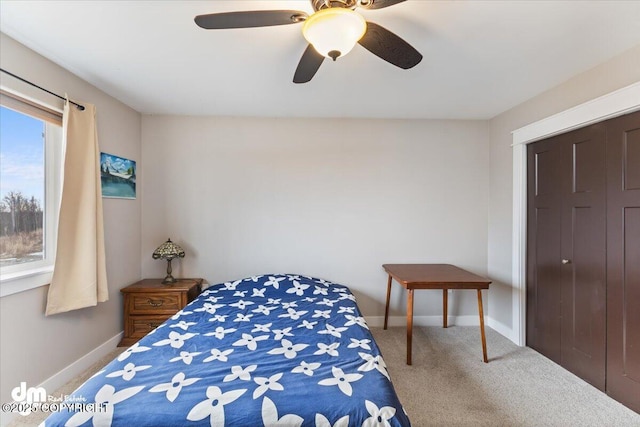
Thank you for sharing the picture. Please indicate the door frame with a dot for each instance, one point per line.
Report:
(617, 103)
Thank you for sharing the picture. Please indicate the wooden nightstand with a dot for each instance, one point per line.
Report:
(148, 303)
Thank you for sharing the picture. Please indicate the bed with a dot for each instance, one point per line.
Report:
(286, 350)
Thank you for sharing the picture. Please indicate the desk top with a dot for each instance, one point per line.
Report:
(435, 276)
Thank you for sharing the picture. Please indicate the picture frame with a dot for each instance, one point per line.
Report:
(117, 176)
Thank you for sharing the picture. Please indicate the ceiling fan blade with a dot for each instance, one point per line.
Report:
(248, 19)
(308, 65)
(388, 46)
(379, 4)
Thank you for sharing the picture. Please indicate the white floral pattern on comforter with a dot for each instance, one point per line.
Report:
(272, 350)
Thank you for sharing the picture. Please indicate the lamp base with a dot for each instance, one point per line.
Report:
(169, 280)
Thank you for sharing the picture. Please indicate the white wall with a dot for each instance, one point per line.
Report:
(614, 74)
(32, 347)
(329, 198)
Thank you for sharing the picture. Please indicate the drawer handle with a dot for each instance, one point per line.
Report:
(153, 325)
(156, 303)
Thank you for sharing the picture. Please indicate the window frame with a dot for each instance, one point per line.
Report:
(38, 273)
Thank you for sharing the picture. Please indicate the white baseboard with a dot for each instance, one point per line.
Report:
(70, 372)
(467, 320)
(79, 366)
(502, 329)
(377, 321)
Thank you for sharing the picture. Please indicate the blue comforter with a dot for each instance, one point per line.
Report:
(269, 350)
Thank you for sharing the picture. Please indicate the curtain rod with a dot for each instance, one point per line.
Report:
(80, 107)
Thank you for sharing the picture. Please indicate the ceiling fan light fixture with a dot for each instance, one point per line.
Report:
(333, 32)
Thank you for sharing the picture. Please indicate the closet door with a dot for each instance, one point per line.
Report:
(544, 213)
(566, 251)
(623, 260)
(583, 254)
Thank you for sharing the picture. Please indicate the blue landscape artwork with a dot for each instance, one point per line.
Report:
(118, 176)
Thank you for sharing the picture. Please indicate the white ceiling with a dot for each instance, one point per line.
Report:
(480, 57)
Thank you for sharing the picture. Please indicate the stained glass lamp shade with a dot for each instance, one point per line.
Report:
(168, 250)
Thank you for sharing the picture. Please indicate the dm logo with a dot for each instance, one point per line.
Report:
(29, 396)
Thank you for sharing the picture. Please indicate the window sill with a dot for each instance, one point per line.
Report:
(23, 281)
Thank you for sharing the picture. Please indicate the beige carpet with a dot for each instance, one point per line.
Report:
(448, 385)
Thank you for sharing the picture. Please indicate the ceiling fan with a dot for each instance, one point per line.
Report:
(332, 31)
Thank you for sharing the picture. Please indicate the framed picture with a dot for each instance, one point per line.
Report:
(118, 176)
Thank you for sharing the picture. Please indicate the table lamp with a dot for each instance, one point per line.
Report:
(168, 250)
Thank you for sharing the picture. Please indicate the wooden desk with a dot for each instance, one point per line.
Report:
(434, 276)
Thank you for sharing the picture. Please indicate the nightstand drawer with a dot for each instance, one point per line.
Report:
(157, 302)
(149, 302)
(139, 326)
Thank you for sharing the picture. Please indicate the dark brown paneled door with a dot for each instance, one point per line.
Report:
(566, 251)
(583, 261)
(623, 260)
(544, 225)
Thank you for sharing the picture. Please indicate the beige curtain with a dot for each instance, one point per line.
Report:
(79, 276)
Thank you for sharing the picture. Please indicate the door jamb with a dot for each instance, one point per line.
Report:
(617, 103)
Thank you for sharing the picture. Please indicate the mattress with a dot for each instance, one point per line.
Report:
(286, 350)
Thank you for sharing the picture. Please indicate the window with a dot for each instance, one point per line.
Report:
(30, 165)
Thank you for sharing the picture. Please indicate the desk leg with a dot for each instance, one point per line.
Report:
(409, 324)
(386, 308)
(445, 307)
(484, 340)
